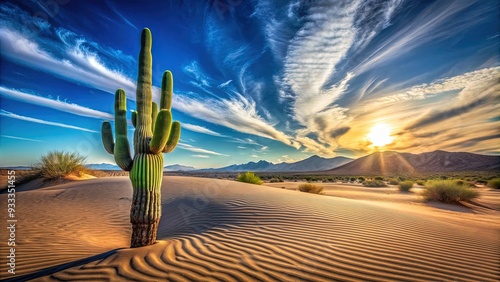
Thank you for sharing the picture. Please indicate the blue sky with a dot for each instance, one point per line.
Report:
(273, 80)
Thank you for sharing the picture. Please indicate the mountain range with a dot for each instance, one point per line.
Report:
(314, 163)
(379, 163)
(394, 163)
(105, 166)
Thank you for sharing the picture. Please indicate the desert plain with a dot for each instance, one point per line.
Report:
(223, 230)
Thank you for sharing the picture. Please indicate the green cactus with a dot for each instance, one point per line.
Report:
(154, 135)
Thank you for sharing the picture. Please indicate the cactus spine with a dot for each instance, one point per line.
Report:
(154, 135)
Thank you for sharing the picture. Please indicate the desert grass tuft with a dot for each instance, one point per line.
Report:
(405, 186)
(494, 183)
(249, 177)
(311, 188)
(374, 183)
(448, 191)
(58, 164)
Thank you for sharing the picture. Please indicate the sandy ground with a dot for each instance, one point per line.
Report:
(220, 230)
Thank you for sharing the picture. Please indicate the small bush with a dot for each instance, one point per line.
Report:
(58, 164)
(420, 182)
(361, 179)
(393, 181)
(374, 183)
(249, 177)
(311, 188)
(379, 178)
(494, 183)
(405, 186)
(448, 191)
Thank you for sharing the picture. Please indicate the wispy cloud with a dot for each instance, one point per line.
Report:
(238, 113)
(224, 84)
(198, 150)
(201, 129)
(431, 24)
(122, 17)
(20, 138)
(54, 104)
(200, 156)
(35, 120)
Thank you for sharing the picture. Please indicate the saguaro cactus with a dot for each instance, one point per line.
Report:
(154, 135)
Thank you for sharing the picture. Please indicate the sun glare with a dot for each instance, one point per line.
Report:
(380, 135)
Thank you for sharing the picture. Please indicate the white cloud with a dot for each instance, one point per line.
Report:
(200, 156)
(431, 24)
(54, 104)
(201, 129)
(191, 148)
(35, 120)
(20, 138)
(238, 113)
(468, 83)
(224, 84)
(79, 65)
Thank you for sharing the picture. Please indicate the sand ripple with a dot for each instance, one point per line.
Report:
(215, 230)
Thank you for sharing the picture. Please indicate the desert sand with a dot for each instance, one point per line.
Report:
(221, 230)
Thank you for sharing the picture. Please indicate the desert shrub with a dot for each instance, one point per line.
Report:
(379, 178)
(420, 182)
(494, 183)
(57, 164)
(311, 188)
(405, 186)
(400, 178)
(249, 177)
(352, 179)
(276, 179)
(393, 181)
(374, 183)
(448, 191)
(361, 179)
(463, 182)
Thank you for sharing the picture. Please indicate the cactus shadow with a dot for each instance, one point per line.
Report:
(57, 268)
(193, 215)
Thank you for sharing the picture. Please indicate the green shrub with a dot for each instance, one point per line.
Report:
(420, 182)
(393, 181)
(311, 188)
(361, 179)
(374, 183)
(379, 178)
(58, 164)
(448, 191)
(405, 186)
(494, 183)
(249, 177)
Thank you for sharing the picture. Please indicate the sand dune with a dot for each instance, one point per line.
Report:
(218, 230)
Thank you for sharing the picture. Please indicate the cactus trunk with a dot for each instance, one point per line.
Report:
(146, 176)
(154, 134)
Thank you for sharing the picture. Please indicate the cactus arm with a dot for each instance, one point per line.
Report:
(154, 115)
(107, 137)
(121, 148)
(173, 139)
(167, 86)
(161, 132)
(144, 98)
(134, 118)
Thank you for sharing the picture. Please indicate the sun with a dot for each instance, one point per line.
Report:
(380, 135)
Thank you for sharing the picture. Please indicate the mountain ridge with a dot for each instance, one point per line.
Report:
(391, 162)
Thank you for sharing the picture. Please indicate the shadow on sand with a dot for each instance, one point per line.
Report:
(181, 216)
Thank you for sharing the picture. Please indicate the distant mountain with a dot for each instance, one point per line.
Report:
(21, 167)
(313, 163)
(178, 167)
(103, 166)
(392, 163)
